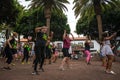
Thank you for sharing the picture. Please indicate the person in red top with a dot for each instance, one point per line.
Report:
(65, 50)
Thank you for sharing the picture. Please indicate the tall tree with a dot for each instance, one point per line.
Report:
(110, 18)
(9, 12)
(48, 6)
(91, 7)
(32, 18)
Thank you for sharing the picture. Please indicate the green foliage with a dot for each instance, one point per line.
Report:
(82, 26)
(29, 20)
(110, 18)
(54, 5)
(9, 12)
(49, 6)
(87, 10)
(34, 17)
(3, 26)
(58, 25)
(87, 7)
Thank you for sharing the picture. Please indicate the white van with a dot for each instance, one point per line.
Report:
(93, 46)
(78, 45)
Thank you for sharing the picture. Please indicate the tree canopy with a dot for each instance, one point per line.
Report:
(110, 19)
(9, 12)
(90, 8)
(34, 18)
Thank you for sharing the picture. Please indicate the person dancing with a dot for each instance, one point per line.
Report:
(26, 52)
(40, 46)
(10, 49)
(54, 53)
(66, 46)
(87, 51)
(107, 50)
(48, 49)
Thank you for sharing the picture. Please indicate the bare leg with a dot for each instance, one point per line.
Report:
(68, 62)
(63, 63)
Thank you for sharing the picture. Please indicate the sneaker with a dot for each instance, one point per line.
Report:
(35, 73)
(6, 68)
(41, 69)
(22, 63)
(28, 62)
(88, 63)
(61, 69)
(111, 72)
(13, 64)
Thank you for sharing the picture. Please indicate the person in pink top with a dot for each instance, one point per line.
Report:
(65, 50)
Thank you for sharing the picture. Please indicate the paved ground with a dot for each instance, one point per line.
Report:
(79, 71)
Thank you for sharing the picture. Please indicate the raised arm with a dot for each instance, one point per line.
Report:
(64, 35)
(111, 37)
(37, 29)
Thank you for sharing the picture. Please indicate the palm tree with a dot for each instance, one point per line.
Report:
(93, 7)
(48, 6)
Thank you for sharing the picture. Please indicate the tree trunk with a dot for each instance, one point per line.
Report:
(97, 9)
(99, 21)
(48, 25)
(19, 38)
(48, 17)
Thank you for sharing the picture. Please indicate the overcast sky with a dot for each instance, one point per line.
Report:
(70, 14)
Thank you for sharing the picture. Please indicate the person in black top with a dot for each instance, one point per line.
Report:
(10, 49)
(87, 50)
(48, 49)
(54, 53)
(26, 52)
(40, 45)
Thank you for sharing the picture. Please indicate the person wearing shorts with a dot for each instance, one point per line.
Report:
(65, 50)
(54, 53)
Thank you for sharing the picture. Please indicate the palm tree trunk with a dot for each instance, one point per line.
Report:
(48, 17)
(99, 21)
(48, 25)
(97, 9)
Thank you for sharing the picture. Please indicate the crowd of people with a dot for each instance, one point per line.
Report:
(40, 50)
(43, 51)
